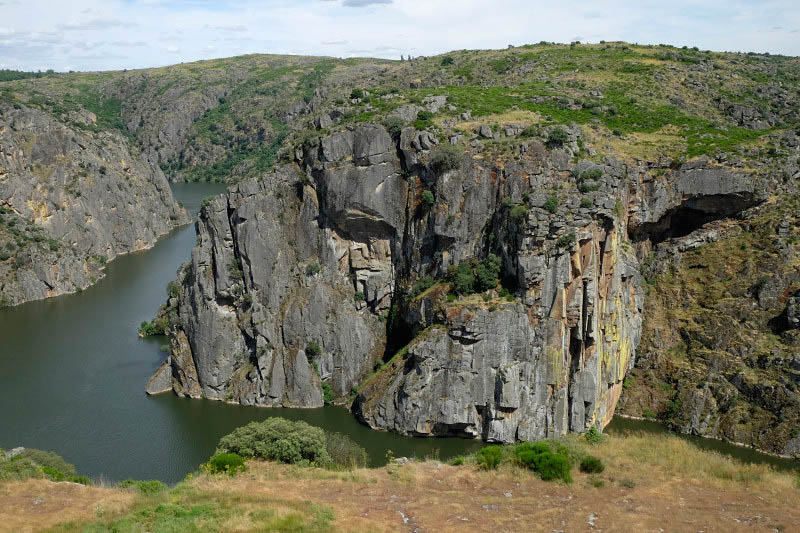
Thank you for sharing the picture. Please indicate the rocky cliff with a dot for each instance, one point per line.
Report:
(71, 200)
(305, 280)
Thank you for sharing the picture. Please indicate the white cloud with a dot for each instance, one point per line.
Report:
(141, 33)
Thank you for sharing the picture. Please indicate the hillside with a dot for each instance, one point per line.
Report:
(649, 483)
(474, 244)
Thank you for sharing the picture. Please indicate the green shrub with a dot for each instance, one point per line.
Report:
(557, 137)
(158, 326)
(457, 460)
(19, 469)
(462, 278)
(551, 204)
(422, 285)
(312, 269)
(52, 474)
(278, 439)
(540, 458)
(327, 393)
(490, 457)
(344, 451)
(592, 465)
(567, 240)
(356, 94)
(83, 480)
(173, 289)
(446, 61)
(50, 460)
(487, 273)
(225, 463)
(444, 159)
(427, 199)
(313, 349)
(530, 131)
(593, 436)
(145, 487)
(394, 126)
(587, 203)
(519, 213)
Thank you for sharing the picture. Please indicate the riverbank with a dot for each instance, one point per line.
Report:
(650, 483)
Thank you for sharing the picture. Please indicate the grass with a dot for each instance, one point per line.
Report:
(654, 469)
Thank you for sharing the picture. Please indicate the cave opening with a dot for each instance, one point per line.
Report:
(675, 224)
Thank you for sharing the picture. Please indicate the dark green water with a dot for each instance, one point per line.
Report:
(622, 426)
(73, 371)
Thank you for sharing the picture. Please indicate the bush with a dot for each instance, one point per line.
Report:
(327, 393)
(566, 241)
(422, 285)
(19, 469)
(553, 467)
(593, 436)
(447, 60)
(518, 213)
(312, 269)
(427, 199)
(278, 439)
(83, 480)
(541, 459)
(457, 460)
(557, 137)
(444, 159)
(490, 457)
(551, 204)
(394, 126)
(592, 465)
(158, 326)
(50, 461)
(344, 451)
(587, 203)
(356, 94)
(487, 273)
(225, 463)
(313, 349)
(145, 487)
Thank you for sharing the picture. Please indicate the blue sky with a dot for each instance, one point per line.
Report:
(116, 34)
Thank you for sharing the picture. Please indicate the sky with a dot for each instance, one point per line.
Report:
(116, 34)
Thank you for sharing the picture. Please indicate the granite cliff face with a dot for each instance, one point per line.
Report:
(306, 279)
(71, 200)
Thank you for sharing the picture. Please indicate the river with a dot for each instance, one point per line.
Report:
(73, 372)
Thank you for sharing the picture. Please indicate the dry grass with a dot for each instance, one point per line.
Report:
(650, 483)
(39, 504)
(500, 119)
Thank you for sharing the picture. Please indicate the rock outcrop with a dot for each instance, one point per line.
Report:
(71, 201)
(302, 282)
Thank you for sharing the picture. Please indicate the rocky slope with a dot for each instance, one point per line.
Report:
(71, 200)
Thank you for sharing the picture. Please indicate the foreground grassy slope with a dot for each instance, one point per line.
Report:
(650, 482)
